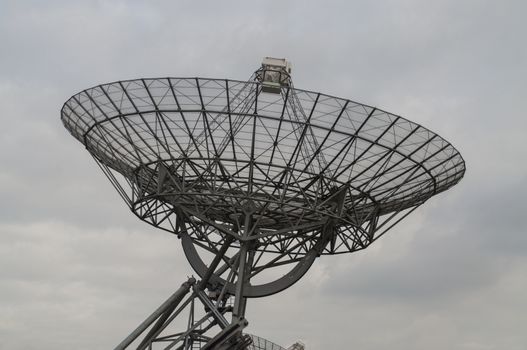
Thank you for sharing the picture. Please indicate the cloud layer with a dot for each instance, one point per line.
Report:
(77, 270)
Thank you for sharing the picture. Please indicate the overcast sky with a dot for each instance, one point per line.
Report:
(78, 271)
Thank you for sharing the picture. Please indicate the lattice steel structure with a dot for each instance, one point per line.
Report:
(257, 178)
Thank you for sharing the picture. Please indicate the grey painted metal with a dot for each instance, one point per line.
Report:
(260, 343)
(250, 290)
(210, 319)
(229, 338)
(172, 301)
(281, 283)
(222, 321)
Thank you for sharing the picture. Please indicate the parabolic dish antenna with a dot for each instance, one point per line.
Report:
(257, 179)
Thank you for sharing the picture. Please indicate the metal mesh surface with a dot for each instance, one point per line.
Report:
(210, 146)
(263, 344)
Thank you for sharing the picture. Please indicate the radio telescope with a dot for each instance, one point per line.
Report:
(257, 179)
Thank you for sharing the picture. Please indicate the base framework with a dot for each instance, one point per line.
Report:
(205, 325)
(203, 315)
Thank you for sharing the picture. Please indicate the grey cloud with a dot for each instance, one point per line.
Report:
(78, 271)
(467, 244)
